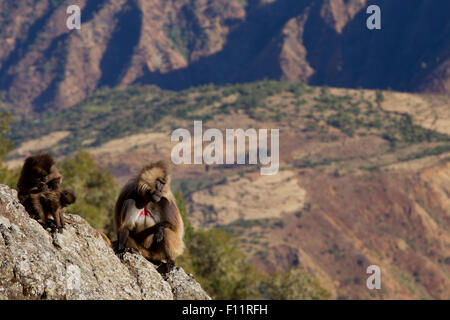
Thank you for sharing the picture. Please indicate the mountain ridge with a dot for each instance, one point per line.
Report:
(180, 44)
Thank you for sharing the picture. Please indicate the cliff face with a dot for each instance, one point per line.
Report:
(178, 44)
(76, 264)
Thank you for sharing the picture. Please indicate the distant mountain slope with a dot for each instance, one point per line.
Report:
(111, 114)
(183, 43)
(337, 224)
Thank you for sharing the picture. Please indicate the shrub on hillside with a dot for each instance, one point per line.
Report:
(95, 188)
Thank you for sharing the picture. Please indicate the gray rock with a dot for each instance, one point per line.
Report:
(75, 264)
(184, 286)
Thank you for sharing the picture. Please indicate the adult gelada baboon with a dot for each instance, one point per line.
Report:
(39, 174)
(147, 218)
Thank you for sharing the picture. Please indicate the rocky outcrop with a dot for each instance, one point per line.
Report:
(76, 264)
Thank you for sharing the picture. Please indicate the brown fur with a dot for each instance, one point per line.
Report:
(54, 202)
(39, 174)
(39, 171)
(162, 242)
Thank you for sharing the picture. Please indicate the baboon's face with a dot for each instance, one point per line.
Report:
(38, 174)
(154, 192)
(67, 197)
(43, 178)
(157, 193)
(39, 178)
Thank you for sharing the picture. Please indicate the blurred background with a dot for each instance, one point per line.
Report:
(364, 119)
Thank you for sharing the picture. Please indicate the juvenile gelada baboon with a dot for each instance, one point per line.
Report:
(53, 204)
(147, 218)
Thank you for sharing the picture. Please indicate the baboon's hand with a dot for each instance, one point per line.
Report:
(164, 268)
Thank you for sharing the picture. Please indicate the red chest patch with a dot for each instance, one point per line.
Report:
(145, 213)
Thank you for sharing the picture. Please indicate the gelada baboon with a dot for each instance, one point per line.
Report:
(39, 174)
(147, 218)
(53, 204)
(39, 191)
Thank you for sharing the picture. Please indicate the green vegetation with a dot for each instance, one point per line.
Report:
(239, 226)
(307, 163)
(8, 177)
(185, 33)
(252, 98)
(114, 113)
(357, 116)
(190, 185)
(296, 284)
(427, 152)
(5, 144)
(214, 258)
(95, 188)
(373, 169)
